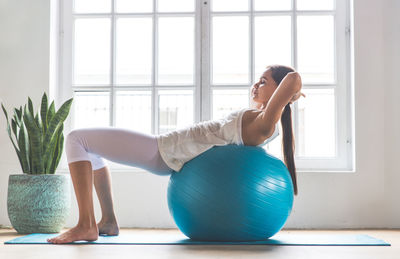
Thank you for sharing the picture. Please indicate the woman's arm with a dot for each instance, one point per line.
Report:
(287, 91)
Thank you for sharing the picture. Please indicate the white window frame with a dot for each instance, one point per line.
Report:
(344, 162)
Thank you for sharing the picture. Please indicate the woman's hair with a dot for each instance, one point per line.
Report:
(278, 73)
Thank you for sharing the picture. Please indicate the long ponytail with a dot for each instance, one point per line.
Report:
(288, 143)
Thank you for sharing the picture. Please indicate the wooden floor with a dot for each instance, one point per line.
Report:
(206, 251)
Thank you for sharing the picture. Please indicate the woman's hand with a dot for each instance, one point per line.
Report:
(296, 96)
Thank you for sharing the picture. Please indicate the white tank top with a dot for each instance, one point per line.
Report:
(179, 146)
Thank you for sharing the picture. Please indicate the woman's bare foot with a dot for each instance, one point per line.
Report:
(108, 228)
(75, 234)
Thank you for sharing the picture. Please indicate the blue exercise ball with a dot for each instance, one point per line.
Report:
(231, 193)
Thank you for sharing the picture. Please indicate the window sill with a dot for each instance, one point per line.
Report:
(139, 171)
(326, 171)
(133, 170)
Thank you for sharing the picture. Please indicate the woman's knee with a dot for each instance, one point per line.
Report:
(76, 135)
(73, 135)
(73, 139)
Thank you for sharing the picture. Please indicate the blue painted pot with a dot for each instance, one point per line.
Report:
(38, 203)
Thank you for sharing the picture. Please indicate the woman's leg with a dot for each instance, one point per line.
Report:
(86, 229)
(102, 181)
(90, 145)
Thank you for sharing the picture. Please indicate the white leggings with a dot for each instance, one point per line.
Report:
(119, 145)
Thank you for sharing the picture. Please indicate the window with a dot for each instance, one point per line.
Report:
(159, 65)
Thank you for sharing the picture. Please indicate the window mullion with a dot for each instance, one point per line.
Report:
(66, 52)
(112, 69)
(343, 91)
(197, 65)
(295, 111)
(205, 106)
(294, 34)
(154, 93)
(251, 43)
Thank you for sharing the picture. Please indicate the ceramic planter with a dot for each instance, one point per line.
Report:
(38, 203)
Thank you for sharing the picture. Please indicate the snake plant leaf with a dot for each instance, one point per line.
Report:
(19, 113)
(30, 106)
(43, 112)
(17, 117)
(23, 144)
(9, 132)
(31, 110)
(14, 127)
(4, 110)
(35, 143)
(59, 152)
(58, 119)
(36, 120)
(54, 149)
(50, 156)
(39, 124)
(50, 113)
(51, 149)
(30, 152)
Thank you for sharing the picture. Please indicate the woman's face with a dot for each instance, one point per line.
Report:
(262, 91)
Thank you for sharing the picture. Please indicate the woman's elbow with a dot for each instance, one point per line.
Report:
(296, 80)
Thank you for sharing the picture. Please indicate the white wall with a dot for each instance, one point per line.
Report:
(367, 198)
(391, 30)
(24, 66)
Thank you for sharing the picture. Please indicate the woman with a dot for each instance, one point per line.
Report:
(278, 87)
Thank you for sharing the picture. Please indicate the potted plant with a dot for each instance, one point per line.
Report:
(38, 201)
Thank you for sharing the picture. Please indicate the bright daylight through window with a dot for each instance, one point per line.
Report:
(160, 65)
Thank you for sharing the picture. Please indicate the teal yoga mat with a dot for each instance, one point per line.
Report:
(286, 239)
